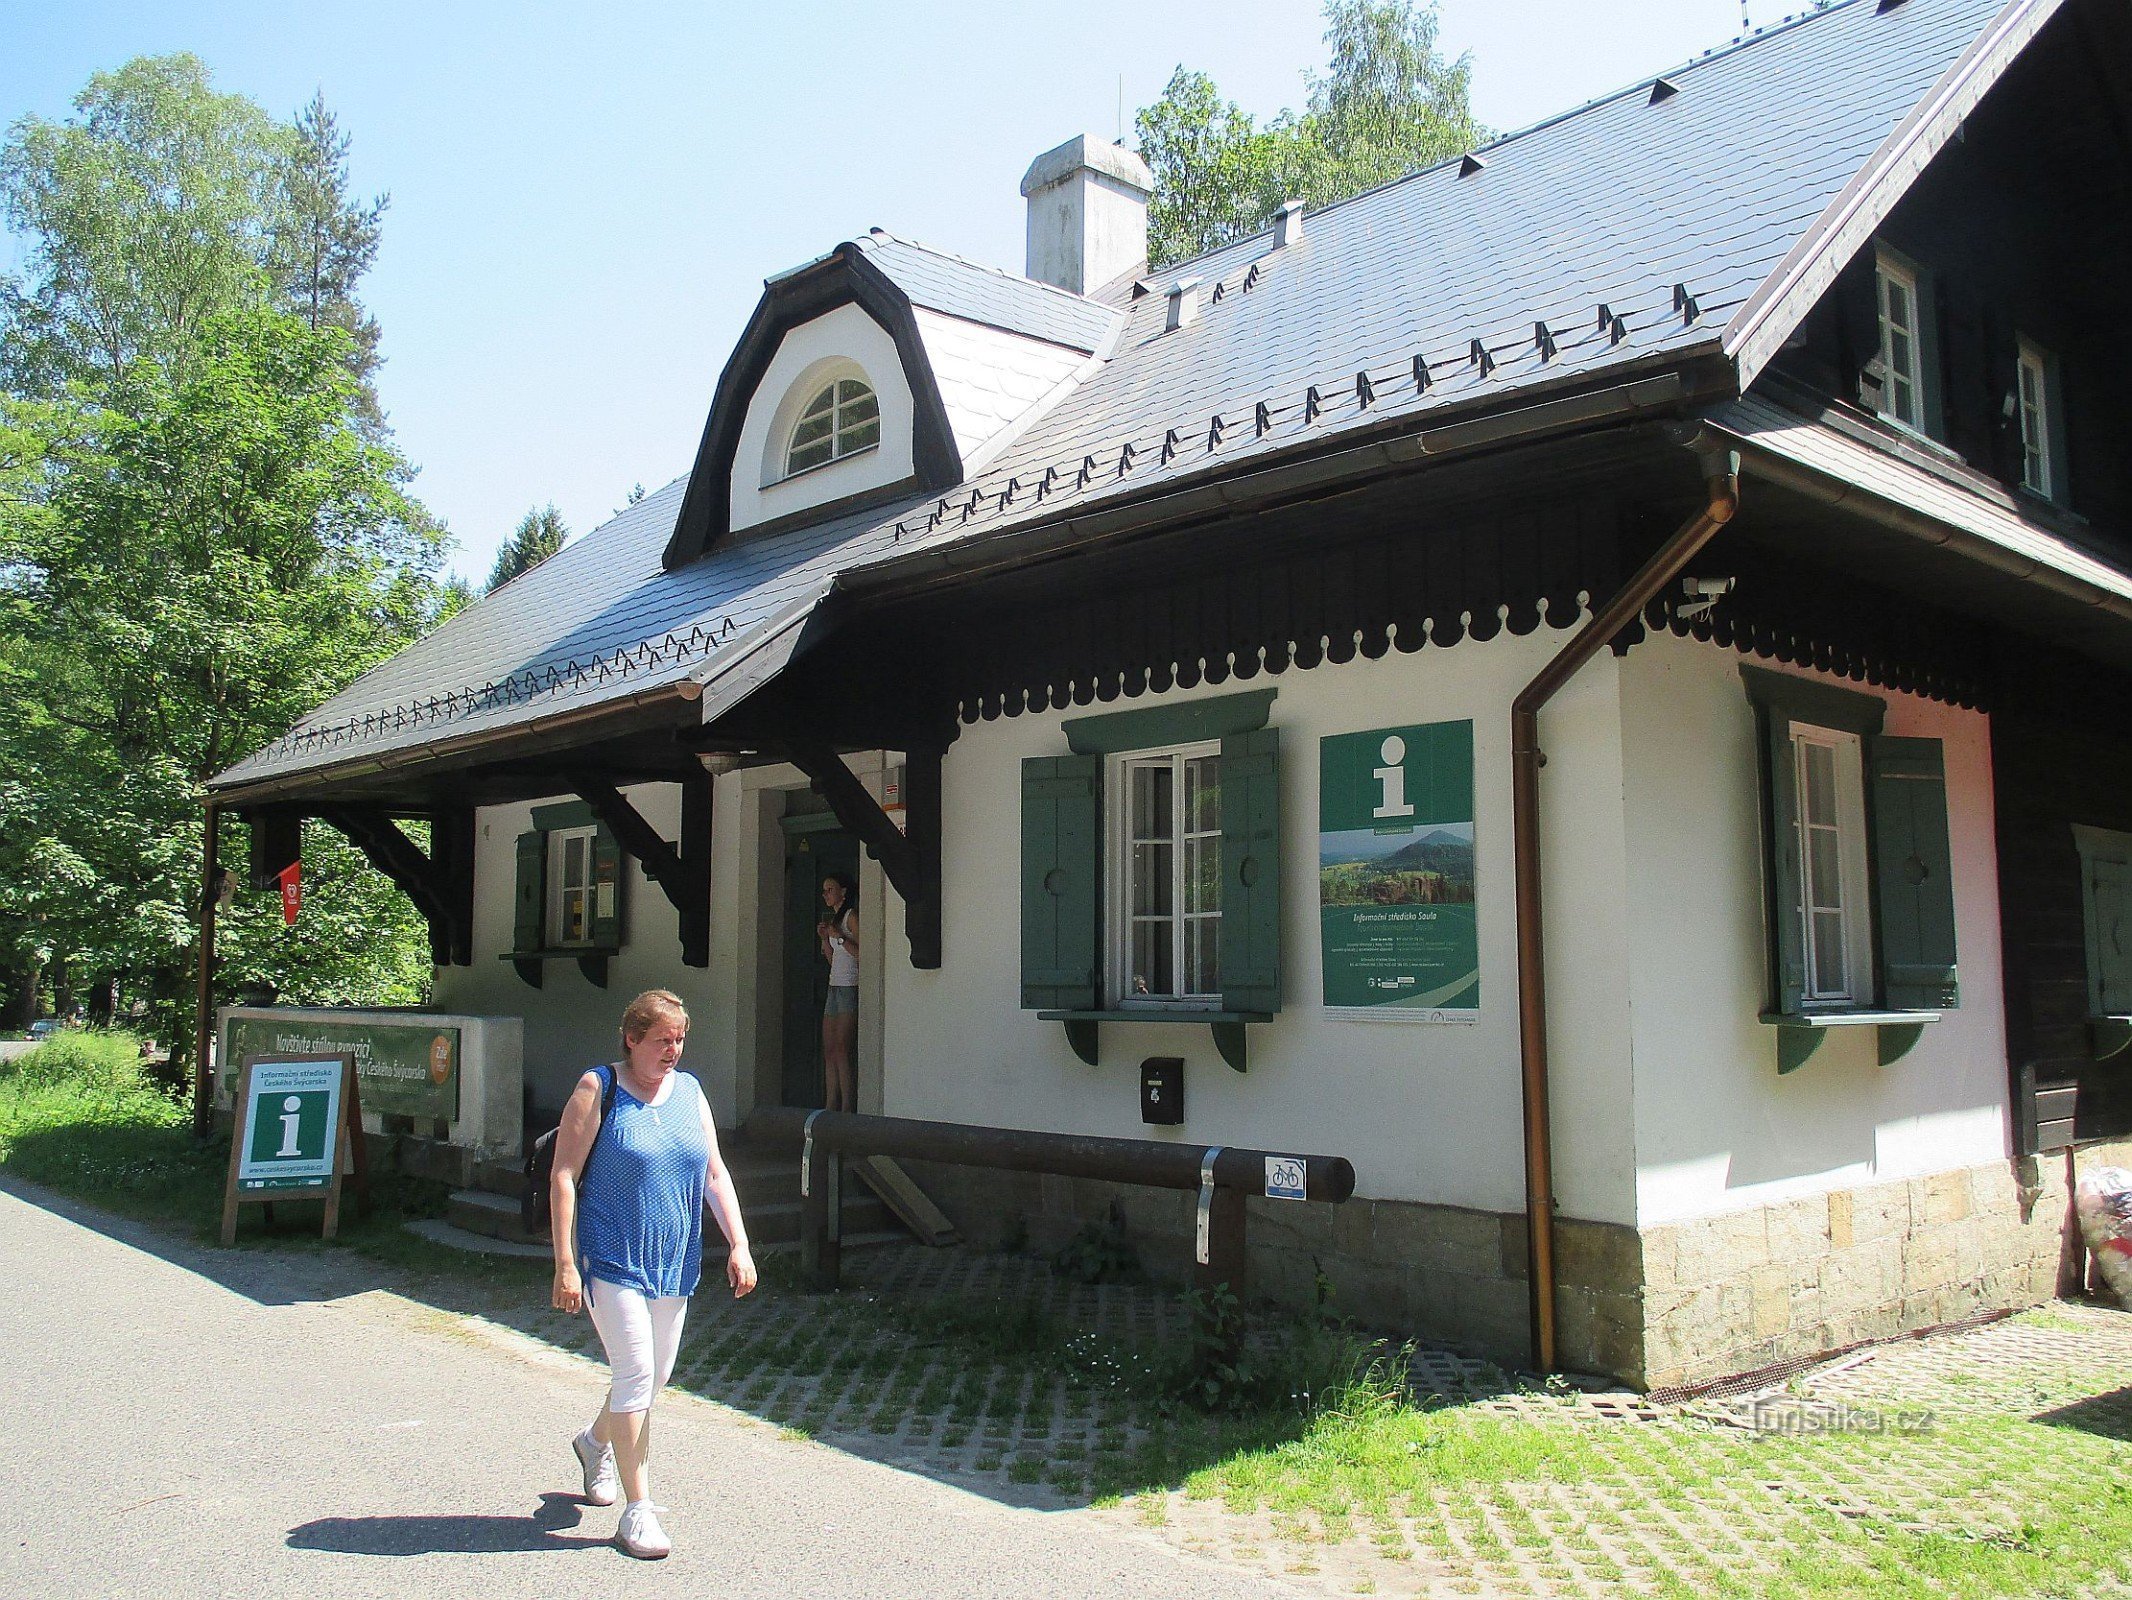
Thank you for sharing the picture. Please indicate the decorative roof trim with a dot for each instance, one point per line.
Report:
(1769, 315)
(843, 277)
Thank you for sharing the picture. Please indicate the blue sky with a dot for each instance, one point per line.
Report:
(585, 200)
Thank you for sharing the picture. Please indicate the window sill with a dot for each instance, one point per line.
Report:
(591, 961)
(1228, 1027)
(2109, 1035)
(1799, 1033)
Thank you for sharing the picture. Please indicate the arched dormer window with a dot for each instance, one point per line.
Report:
(841, 420)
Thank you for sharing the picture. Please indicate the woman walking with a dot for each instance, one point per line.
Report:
(838, 932)
(634, 1161)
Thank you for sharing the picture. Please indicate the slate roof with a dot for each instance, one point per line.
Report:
(1488, 284)
(978, 293)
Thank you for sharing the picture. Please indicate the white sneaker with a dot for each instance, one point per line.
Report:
(640, 1534)
(597, 1459)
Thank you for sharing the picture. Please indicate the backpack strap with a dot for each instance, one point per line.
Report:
(607, 1080)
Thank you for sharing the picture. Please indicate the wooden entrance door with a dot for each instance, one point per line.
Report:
(814, 846)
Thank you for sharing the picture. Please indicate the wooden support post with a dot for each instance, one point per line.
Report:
(277, 842)
(695, 851)
(452, 852)
(921, 902)
(203, 1085)
(1225, 1245)
(821, 1216)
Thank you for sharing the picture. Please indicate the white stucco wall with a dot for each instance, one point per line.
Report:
(1717, 1128)
(1425, 1112)
(569, 1023)
(807, 357)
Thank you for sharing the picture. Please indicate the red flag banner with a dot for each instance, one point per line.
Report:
(292, 892)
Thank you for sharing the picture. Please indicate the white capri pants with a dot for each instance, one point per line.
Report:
(642, 1336)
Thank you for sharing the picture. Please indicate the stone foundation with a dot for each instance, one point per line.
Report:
(1734, 1293)
(1683, 1304)
(1446, 1274)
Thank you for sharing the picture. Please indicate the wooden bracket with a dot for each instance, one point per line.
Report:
(911, 861)
(1081, 1036)
(683, 872)
(441, 883)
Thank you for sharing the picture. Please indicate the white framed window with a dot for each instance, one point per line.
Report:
(2039, 429)
(571, 887)
(842, 419)
(1165, 877)
(1902, 343)
(1829, 768)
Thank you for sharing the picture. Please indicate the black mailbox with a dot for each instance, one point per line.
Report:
(1162, 1089)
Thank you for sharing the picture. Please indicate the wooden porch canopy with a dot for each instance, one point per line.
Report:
(743, 706)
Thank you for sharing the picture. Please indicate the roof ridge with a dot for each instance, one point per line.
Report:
(1638, 85)
(986, 266)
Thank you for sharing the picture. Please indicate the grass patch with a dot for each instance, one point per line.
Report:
(80, 1115)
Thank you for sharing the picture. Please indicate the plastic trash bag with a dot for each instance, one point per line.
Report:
(2103, 1201)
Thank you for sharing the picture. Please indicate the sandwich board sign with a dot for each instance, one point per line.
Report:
(298, 1133)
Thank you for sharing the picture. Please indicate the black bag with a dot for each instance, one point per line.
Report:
(540, 1162)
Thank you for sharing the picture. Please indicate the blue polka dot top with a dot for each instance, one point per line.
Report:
(640, 1204)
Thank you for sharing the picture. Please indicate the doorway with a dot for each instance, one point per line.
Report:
(814, 846)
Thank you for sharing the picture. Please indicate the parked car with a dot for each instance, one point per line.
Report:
(45, 1027)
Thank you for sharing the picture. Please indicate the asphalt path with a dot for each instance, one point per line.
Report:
(185, 1422)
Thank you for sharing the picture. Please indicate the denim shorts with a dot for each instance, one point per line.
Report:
(843, 1000)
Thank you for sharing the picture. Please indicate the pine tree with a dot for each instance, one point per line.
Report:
(326, 241)
(540, 533)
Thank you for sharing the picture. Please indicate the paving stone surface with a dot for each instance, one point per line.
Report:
(1767, 1493)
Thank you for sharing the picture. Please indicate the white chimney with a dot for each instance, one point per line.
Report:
(1087, 213)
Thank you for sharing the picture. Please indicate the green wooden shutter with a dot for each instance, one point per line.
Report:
(528, 929)
(1062, 877)
(1914, 873)
(606, 891)
(1786, 891)
(2110, 935)
(1251, 871)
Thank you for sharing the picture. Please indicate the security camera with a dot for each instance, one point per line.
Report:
(1700, 595)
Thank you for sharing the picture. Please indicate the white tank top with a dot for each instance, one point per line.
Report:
(843, 965)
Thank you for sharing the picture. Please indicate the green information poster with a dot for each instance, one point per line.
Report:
(293, 1116)
(399, 1067)
(1395, 873)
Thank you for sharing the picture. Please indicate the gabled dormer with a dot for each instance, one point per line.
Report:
(885, 370)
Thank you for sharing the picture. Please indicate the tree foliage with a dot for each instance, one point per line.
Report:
(163, 202)
(204, 531)
(151, 210)
(539, 534)
(1388, 104)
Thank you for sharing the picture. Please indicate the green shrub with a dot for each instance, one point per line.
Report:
(1100, 1252)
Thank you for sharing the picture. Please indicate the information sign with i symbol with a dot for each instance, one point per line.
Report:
(296, 1122)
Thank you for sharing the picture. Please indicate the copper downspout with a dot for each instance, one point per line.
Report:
(203, 1089)
(1721, 471)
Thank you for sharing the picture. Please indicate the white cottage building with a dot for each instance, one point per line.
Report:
(1589, 681)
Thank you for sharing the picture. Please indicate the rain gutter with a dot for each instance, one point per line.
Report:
(1721, 474)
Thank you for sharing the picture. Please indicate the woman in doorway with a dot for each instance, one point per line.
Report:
(626, 1207)
(838, 932)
